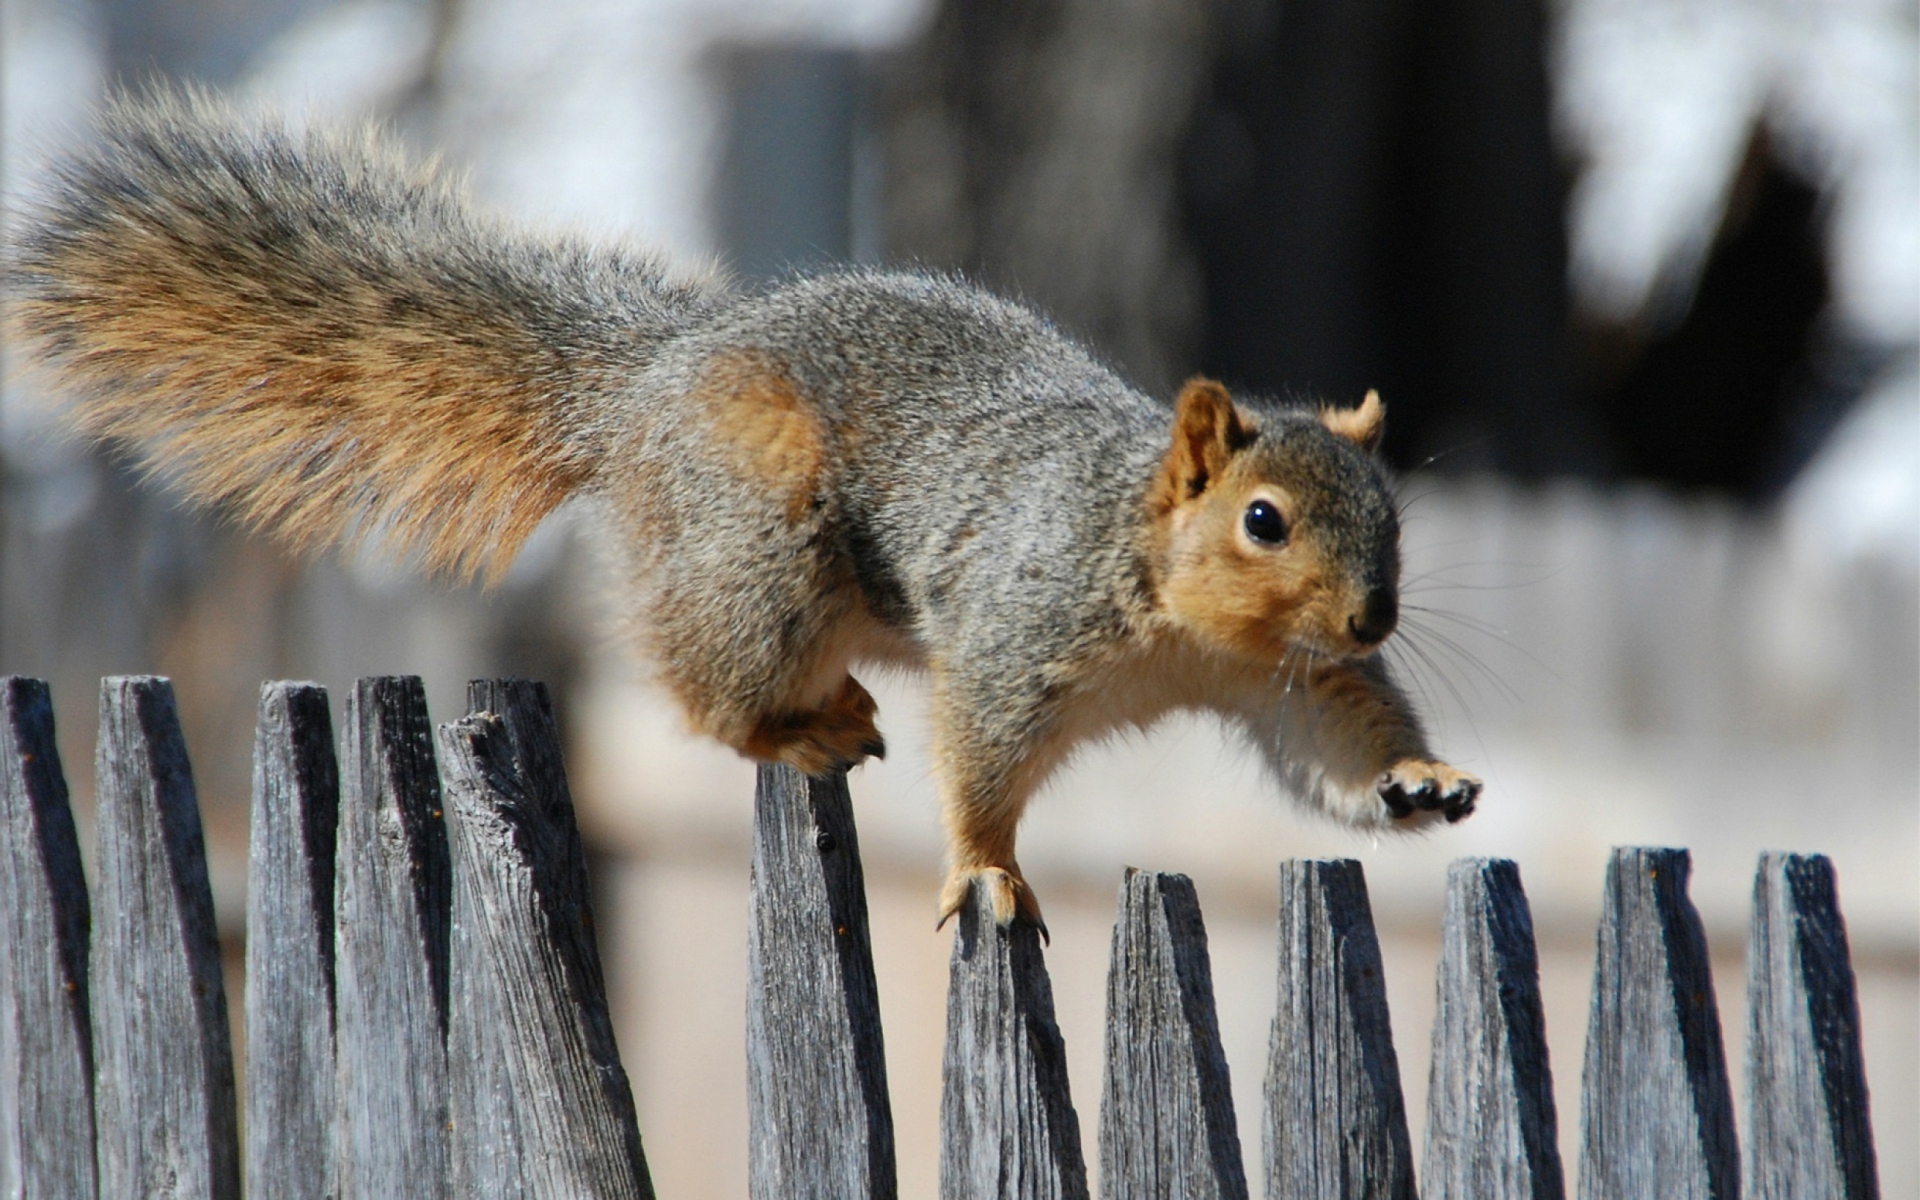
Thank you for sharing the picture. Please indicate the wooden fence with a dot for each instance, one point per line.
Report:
(426, 1014)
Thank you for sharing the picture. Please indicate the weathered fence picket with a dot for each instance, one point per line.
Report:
(290, 1018)
(820, 1122)
(1007, 1124)
(1166, 1108)
(392, 903)
(163, 1054)
(46, 1032)
(1336, 1123)
(1656, 1115)
(1491, 1128)
(1807, 1131)
(427, 1014)
(541, 1106)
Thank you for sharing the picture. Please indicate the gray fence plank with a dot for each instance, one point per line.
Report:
(391, 902)
(1656, 1115)
(163, 1055)
(46, 1035)
(290, 1017)
(1809, 1133)
(1166, 1110)
(1336, 1126)
(1007, 1125)
(819, 1122)
(541, 1106)
(1491, 1128)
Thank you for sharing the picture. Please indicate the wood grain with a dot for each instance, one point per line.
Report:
(1336, 1126)
(819, 1121)
(1656, 1114)
(164, 1094)
(46, 1032)
(1166, 1110)
(541, 1106)
(290, 966)
(391, 904)
(1809, 1132)
(1007, 1125)
(1491, 1125)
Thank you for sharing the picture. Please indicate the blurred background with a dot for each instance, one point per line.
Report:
(1639, 280)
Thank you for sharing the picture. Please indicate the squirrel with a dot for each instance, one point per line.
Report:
(860, 466)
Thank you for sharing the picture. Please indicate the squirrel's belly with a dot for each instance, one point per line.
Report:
(861, 639)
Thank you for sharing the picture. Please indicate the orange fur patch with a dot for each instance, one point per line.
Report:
(1254, 608)
(1258, 602)
(777, 435)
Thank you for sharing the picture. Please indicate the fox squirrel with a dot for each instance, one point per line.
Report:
(861, 466)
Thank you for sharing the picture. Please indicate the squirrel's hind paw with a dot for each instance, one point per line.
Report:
(835, 737)
(1421, 786)
(1006, 890)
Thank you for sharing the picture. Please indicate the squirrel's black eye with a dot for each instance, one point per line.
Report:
(1264, 523)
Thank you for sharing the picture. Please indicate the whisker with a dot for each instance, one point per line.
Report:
(1507, 564)
(1430, 667)
(1473, 623)
(1401, 504)
(1465, 658)
(1401, 655)
(1486, 629)
(1433, 671)
(1437, 455)
(1428, 583)
(1467, 708)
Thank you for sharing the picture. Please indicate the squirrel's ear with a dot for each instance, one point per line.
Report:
(1207, 429)
(1363, 426)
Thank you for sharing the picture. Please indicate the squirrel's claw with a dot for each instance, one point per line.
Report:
(1006, 889)
(875, 747)
(1460, 802)
(1418, 786)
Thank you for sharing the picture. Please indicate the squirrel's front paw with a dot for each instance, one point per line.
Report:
(1012, 899)
(1418, 785)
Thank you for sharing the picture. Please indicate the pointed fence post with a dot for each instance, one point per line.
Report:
(541, 1106)
(1007, 1125)
(391, 905)
(290, 1016)
(1166, 1110)
(46, 1032)
(1809, 1133)
(163, 1055)
(819, 1121)
(1656, 1113)
(1336, 1125)
(1491, 1130)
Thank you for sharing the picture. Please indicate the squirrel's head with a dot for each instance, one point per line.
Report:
(1276, 532)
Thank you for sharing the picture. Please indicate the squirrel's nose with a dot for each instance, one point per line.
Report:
(1371, 625)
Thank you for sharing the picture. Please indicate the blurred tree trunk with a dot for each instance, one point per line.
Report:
(1312, 197)
(1033, 145)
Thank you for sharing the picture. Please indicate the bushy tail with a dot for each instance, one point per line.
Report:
(322, 336)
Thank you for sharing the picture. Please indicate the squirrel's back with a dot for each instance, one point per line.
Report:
(326, 338)
(947, 424)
